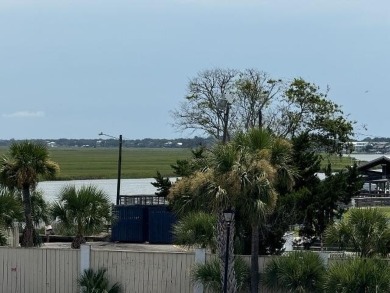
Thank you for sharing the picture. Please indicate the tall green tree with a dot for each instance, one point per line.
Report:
(325, 202)
(288, 108)
(163, 184)
(267, 163)
(85, 210)
(25, 164)
(186, 167)
(214, 189)
(306, 109)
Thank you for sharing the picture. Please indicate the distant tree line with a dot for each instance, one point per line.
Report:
(129, 143)
(377, 139)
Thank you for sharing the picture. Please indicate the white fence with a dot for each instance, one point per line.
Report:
(38, 270)
(140, 272)
(43, 270)
(55, 270)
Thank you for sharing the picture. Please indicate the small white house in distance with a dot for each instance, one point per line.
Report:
(359, 146)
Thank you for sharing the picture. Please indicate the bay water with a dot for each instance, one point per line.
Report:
(52, 189)
(143, 186)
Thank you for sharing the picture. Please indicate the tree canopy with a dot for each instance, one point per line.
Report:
(287, 107)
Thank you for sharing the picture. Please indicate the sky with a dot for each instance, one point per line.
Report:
(74, 68)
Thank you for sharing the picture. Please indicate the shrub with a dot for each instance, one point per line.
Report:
(358, 275)
(299, 271)
(209, 274)
(96, 282)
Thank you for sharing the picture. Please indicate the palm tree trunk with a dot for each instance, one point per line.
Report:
(28, 232)
(255, 258)
(79, 238)
(221, 251)
(77, 241)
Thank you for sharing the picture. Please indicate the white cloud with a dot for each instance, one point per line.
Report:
(25, 114)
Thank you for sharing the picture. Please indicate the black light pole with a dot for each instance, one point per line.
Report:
(118, 186)
(223, 104)
(228, 216)
(226, 120)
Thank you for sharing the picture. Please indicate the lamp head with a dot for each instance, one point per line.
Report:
(228, 215)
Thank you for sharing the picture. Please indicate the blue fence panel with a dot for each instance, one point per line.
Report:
(129, 225)
(161, 222)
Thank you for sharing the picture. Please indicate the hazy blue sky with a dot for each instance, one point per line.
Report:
(74, 68)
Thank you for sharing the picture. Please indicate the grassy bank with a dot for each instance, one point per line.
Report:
(99, 163)
(338, 163)
(102, 163)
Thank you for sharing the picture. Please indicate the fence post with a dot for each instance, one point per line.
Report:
(85, 257)
(15, 234)
(200, 258)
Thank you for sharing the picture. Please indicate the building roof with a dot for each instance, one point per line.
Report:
(376, 162)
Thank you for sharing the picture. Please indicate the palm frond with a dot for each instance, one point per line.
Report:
(297, 271)
(196, 229)
(96, 282)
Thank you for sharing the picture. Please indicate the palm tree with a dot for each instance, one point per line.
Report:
(26, 164)
(86, 210)
(358, 275)
(267, 164)
(364, 230)
(209, 274)
(40, 208)
(196, 229)
(96, 282)
(10, 210)
(298, 271)
(213, 190)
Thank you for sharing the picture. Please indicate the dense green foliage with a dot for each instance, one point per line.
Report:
(196, 229)
(358, 275)
(85, 210)
(288, 108)
(96, 282)
(298, 272)
(163, 184)
(11, 210)
(209, 275)
(23, 166)
(362, 230)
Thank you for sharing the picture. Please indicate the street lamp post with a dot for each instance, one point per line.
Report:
(224, 104)
(228, 216)
(118, 186)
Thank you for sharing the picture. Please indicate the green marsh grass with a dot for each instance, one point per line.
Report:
(338, 163)
(102, 163)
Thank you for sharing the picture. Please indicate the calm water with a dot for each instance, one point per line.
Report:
(368, 157)
(51, 189)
